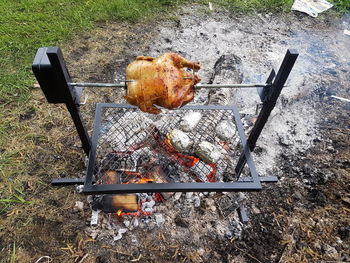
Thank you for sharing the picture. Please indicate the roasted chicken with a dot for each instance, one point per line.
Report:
(160, 81)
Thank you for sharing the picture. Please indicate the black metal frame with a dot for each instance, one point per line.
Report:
(51, 72)
(91, 188)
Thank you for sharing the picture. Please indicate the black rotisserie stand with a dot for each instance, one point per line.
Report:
(52, 74)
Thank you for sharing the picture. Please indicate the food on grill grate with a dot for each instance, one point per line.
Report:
(225, 130)
(190, 121)
(160, 81)
(208, 152)
(179, 140)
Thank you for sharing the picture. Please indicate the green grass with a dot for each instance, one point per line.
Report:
(255, 5)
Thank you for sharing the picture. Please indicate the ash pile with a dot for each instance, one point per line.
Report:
(176, 146)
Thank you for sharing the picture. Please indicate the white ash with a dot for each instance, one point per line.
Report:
(208, 152)
(143, 152)
(177, 195)
(79, 206)
(79, 188)
(126, 223)
(143, 197)
(132, 128)
(180, 140)
(136, 138)
(120, 234)
(159, 219)
(210, 204)
(190, 121)
(189, 195)
(226, 130)
(137, 121)
(184, 178)
(135, 222)
(201, 170)
(115, 138)
(148, 205)
(94, 218)
(197, 201)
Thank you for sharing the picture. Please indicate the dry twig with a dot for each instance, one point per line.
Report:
(136, 259)
(249, 255)
(49, 259)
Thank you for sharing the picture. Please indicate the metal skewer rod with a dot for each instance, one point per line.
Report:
(198, 86)
(97, 85)
(248, 85)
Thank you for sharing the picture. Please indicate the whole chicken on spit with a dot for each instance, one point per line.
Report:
(160, 81)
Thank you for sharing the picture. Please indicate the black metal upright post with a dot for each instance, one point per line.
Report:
(269, 97)
(51, 72)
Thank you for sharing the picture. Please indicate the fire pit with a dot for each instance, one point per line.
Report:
(141, 149)
(135, 152)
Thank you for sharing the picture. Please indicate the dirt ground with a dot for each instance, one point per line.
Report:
(305, 217)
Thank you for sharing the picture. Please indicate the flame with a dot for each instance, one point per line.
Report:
(144, 180)
(139, 181)
(138, 213)
(168, 139)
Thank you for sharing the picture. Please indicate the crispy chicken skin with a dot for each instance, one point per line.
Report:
(160, 81)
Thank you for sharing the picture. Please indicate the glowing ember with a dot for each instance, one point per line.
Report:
(144, 180)
(139, 181)
(212, 175)
(135, 214)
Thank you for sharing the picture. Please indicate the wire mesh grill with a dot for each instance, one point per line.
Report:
(137, 147)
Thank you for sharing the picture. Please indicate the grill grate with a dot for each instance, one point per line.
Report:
(136, 146)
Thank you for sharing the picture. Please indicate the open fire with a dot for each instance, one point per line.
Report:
(136, 148)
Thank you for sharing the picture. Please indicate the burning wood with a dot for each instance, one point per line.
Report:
(124, 202)
(159, 176)
(110, 177)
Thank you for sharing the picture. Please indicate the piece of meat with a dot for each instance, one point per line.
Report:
(160, 81)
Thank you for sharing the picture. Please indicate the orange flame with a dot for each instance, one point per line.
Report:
(144, 180)
(168, 139)
(139, 181)
(139, 213)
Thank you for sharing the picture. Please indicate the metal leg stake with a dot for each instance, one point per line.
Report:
(269, 104)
